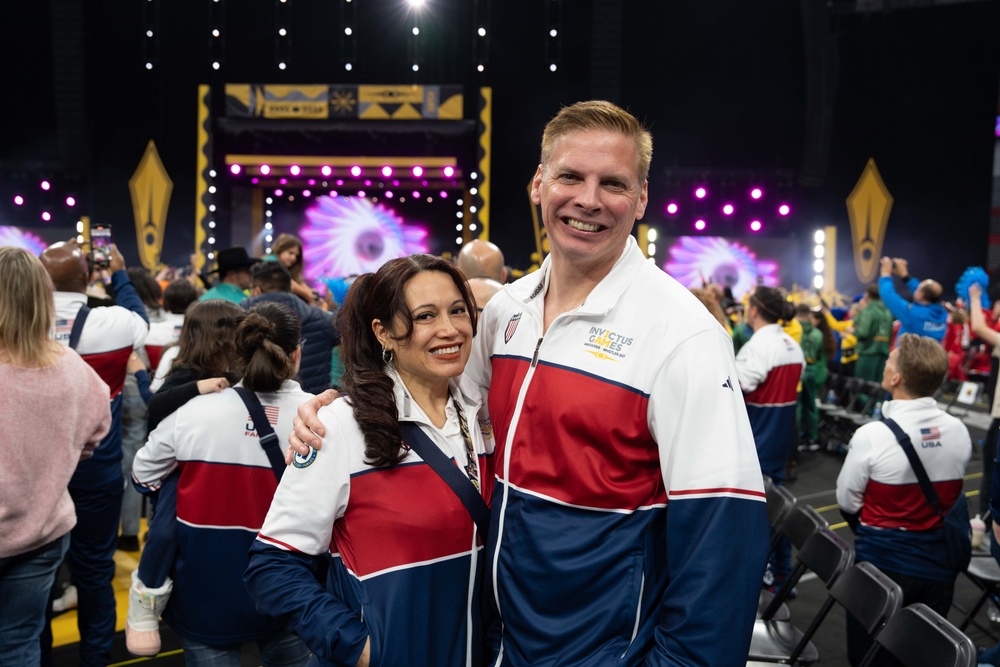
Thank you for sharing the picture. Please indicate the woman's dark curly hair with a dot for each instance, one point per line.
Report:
(382, 296)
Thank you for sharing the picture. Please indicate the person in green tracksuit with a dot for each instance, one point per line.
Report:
(873, 327)
(818, 346)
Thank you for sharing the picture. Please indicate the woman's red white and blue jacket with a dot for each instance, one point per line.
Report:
(406, 563)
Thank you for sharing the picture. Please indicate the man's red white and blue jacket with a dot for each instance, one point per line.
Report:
(108, 338)
(628, 520)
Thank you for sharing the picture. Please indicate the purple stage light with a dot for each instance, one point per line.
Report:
(46, 185)
(755, 225)
(235, 169)
(672, 208)
(416, 195)
(444, 194)
(283, 181)
(784, 209)
(417, 171)
(255, 180)
(693, 259)
(355, 171)
(386, 171)
(361, 193)
(700, 193)
(423, 183)
(728, 209)
(756, 193)
(326, 170)
(306, 193)
(279, 192)
(699, 225)
(333, 193)
(388, 194)
(448, 171)
(265, 170)
(295, 170)
(311, 181)
(395, 183)
(368, 183)
(18, 200)
(340, 182)
(46, 216)
(70, 201)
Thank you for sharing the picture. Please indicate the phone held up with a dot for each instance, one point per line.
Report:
(100, 245)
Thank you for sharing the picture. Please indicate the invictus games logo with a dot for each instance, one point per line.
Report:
(486, 427)
(607, 345)
(301, 461)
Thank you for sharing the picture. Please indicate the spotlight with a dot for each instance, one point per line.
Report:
(444, 194)
(672, 208)
(295, 170)
(416, 195)
(728, 209)
(18, 200)
(279, 192)
(70, 201)
(417, 171)
(235, 169)
(368, 183)
(46, 185)
(283, 181)
(311, 181)
(818, 266)
(819, 251)
(215, 64)
(755, 226)
(479, 68)
(361, 193)
(784, 209)
(481, 32)
(553, 67)
(347, 66)
(386, 171)
(255, 180)
(818, 282)
(46, 216)
(756, 193)
(281, 65)
(448, 171)
(355, 171)
(265, 170)
(700, 193)
(699, 225)
(326, 170)
(306, 193)
(819, 236)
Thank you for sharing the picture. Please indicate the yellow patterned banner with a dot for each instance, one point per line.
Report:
(322, 101)
(868, 207)
(150, 187)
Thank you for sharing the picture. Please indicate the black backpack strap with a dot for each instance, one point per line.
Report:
(268, 438)
(925, 483)
(425, 448)
(81, 318)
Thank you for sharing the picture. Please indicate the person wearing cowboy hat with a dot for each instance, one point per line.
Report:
(234, 276)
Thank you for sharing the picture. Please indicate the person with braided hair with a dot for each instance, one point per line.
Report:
(770, 366)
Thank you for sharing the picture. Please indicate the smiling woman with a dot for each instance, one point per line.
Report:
(404, 542)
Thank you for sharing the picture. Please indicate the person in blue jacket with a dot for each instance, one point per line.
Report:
(924, 316)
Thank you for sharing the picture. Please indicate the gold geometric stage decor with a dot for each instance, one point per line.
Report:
(150, 187)
(868, 206)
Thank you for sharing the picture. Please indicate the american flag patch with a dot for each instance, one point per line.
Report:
(511, 327)
(63, 328)
(270, 412)
(932, 433)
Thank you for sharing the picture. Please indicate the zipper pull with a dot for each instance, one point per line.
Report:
(534, 359)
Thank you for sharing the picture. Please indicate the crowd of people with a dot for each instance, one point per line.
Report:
(478, 473)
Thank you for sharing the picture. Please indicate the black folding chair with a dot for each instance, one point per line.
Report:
(862, 590)
(918, 636)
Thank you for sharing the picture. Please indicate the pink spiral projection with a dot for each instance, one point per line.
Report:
(695, 259)
(348, 236)
(14, 236)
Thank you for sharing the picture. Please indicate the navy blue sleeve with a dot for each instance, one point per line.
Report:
(142, 380)
(283, 585)
(126, 295)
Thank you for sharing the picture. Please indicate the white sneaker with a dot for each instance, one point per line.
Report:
(68, 600)
(142, 624)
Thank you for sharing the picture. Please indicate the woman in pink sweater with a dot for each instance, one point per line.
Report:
(53, 400)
